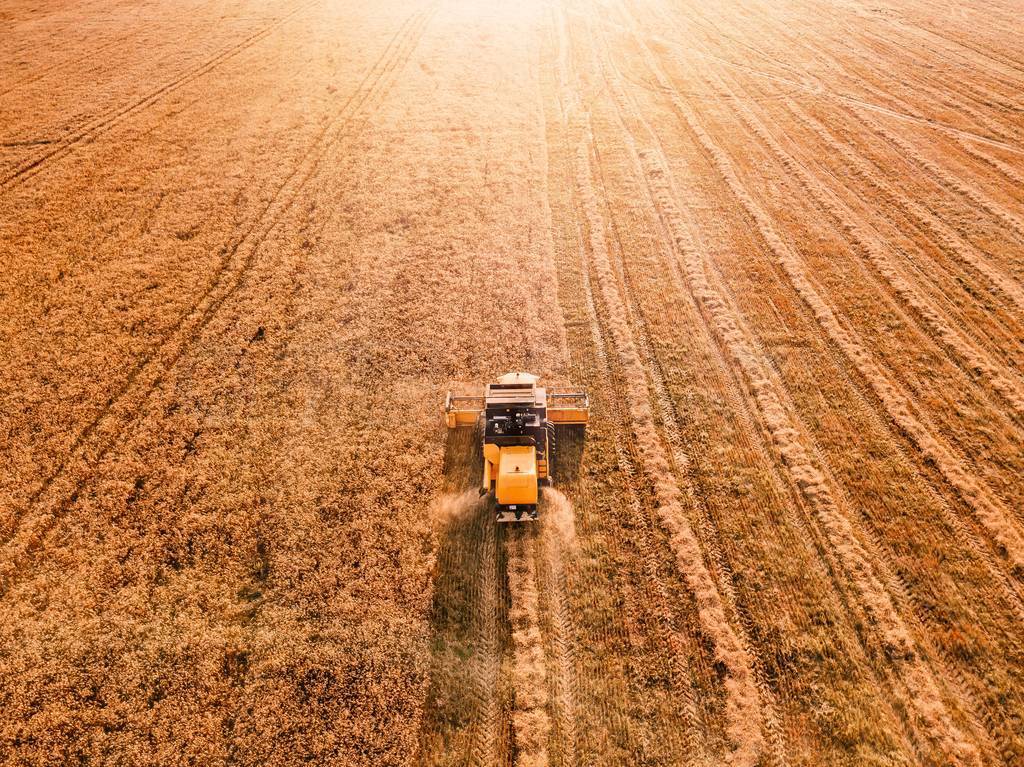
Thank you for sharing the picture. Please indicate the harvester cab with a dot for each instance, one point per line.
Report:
(518, 422)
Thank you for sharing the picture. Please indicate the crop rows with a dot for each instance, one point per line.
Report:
(250, 244)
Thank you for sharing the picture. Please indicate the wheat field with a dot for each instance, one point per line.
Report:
(247, 247)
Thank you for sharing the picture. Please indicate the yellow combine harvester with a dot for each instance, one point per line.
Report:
(517, 419)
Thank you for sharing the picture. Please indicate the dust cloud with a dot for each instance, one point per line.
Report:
(452, 507)
(558, 511)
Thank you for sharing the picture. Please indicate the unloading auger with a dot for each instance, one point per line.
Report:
(518, 422)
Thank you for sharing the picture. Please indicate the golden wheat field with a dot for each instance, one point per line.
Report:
(247, 246)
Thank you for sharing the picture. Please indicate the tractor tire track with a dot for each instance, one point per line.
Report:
(706, 530)
(467, 687)
(786, 435)
(869, 46)
(489, 728)
(85, 56)
(563, 684)
(920, 676)
(998, 520)
(741, 410)
(1006, 136)
(968, 534)
(1017, 67)
(599, 269)
(607, 376)
(777, 738)
(656, 597)
(851, 101)
(57, 66)
(992, 712)
(879, 49)
(1004, 169)
(121, 409)
(947, 179)
(901, 597)
(816, 488)
(973, 361)
(395, 54)
(531, 725)
(106, 122)
(886, 26)
(943, 236)
(743, 706)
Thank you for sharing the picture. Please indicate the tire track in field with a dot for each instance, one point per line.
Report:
(1001, 592)
(899, 599)
(100, 434)
(970, 531)
(657, 599)
(109, 120)
(997, 519)
(1004, 169)
(641, 535)
(562, 677)
(743, 707)
(711, 28)
(530, 722)
(1004, 136)
(864, 17)
(969, 142)
(944, 236)
(972, 360)
(85, 56)
(466, 705)
(966, 351)
(707, 530)
(745, 710)
(971, 537)
(488, 729)
(787, 436)
(870, 47)
(900, 595)
(41, 73)
(983, 91)
(964, 141)
(880, 48)
(999, 134)
(980, 51)
(995, 720)
(818, 91)
(945, 178)
(272, 212)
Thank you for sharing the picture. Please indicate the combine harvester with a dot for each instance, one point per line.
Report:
(517, 421)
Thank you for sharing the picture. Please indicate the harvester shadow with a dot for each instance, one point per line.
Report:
(463, 461)
(568, 456)
(468, 706)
